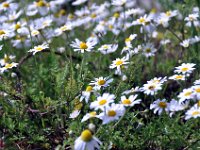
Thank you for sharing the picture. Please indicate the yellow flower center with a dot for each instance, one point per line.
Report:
(35, 32)
(71, 16)
(184, 69)
(105, 46)
(93, 113)
(126, 101)
(2, 32)
(41, 3)
(119, 63)
(148, 50)
(39, 48)
(101, 82)
(152, 87)
(83, 45)
(86, 135)
(142, 20)
(162, 104)
(111, 113)
(93, 15)
(63, 28)
(17, 26)
(197, 90)
(198, 103)
(116, 15)
(62, 12)
(102, 102)
(188, 93)
(179, 77)
(168, 13)
(89, 88)
(195, 113)
(127, 39)
(110, 26)
(6, 5)
(8, 66)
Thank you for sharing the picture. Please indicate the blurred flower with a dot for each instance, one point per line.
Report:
(193, 112)
(39, 48)
(130, 101)
(111, 113)
(160, 106)
(87, 141)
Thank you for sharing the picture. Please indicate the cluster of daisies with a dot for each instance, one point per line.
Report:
(34, 27)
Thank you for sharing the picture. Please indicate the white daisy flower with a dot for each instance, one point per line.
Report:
(86, 94)
(185, 68)
(79, 2)
(175, 106)
(39, 48)
(101, 82)
(130, 101)
(6, 59)
(186, 94)
(177, 77)
(83, 46)
(87, 141)
(196, 92)
(151, 88)
(8, 66)
(92, 114)
(132, 90)
(102, 101)
(192, 18)
(130, 39)
(159, 80)
(118, 2)
(74, 114)
(145, 20)
(119, 64)
(108, 48)
(160, 106)
(197, 82)
(193, 112)
(185, 43)
(111, 113)
(149, 50)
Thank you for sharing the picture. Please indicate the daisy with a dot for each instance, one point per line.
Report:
(177, 77)
(169, 14)
(196, 91)
(159, 80)
(39, 48)
(6, 59)
(118, 2)
(145, 20)
(186, 94)
(111, 113)
(101, 82)
(151, 88)
(78, 2)
(119, 64)
(192, 18)
(160, 106)
(149, 50)
(74, 114)
(86, 94)
(197, 82)
(108, 48)
(193, 112)
(130, 39)
(87, 141)
(4, 34)
(8, 66)
(185, 43)
(89, 115)
(132, 90)
(185, 68)
(102, 101)
(130, 101)
(175, 106)
(83, 46)
(62, 29)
